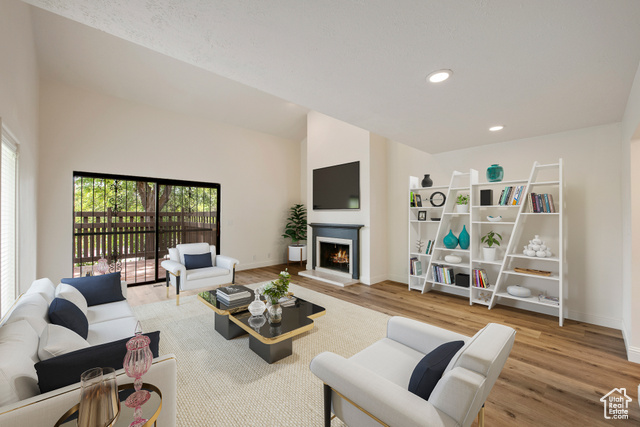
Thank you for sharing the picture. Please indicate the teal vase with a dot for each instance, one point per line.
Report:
(463, 238)
(495, 173)
(450, 241)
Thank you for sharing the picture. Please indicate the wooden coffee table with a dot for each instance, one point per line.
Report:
(271, 341)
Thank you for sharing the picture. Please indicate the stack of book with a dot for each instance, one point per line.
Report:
(232, 294)
(541, 203)
(430, 245)
(442, 274)
(511, 196)
(415, 267)
(480, 278)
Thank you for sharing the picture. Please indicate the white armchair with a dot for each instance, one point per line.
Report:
(371, 388)
(222, 271)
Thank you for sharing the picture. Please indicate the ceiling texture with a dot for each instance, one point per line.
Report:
(537, 67)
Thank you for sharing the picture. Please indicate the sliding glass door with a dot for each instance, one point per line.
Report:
(132, 221)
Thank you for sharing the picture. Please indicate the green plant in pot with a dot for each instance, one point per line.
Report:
(462, 203)
(273, 291)
(296, 230)
(492, 240)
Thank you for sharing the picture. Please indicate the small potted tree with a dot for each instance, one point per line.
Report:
(489, 251)
(462, 203)
(296, 230)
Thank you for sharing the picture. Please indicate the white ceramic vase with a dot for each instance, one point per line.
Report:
(462, 208)
(489, 254)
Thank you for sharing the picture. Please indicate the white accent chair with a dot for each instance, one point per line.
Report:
(222, 272)
(371, 388)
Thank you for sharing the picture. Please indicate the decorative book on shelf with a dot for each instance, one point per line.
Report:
(430, 245)
(415, 267)
(511, 196)
(443, 274)
(480, 278)
(541, 203)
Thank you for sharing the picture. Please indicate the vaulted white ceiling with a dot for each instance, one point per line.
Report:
(538, 67)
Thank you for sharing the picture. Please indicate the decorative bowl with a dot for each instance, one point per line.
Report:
(453, 259)
(435, 219)
(519, 291)
(494, 218)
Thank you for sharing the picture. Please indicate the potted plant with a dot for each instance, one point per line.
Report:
(296, 230)
(489, 251)
(462, 203)
(273, 291)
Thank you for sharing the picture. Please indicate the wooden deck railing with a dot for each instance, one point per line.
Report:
(124, 235)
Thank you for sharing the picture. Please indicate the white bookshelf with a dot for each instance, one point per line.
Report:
(517, 227)
(454, 221)
(424, 230)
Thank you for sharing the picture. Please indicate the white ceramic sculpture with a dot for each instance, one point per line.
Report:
(519, 291)
(453, 259)
(536, 248)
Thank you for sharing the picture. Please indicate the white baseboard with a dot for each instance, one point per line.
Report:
(261, 264)
(633, 353)
(400, 278)
(607, 322)
(378, 279)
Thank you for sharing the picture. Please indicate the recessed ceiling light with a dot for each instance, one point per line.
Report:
(496, 128)
(439, 76)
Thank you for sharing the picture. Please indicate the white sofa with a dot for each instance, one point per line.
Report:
(20, 333)
(373, 384)
(222, 271)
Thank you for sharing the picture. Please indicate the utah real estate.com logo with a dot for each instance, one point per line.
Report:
(616, 404)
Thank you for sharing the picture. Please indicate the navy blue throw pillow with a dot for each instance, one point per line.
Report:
(100, 289)
(63, 370)
(429, 370)
(191, 262)
(67, 314)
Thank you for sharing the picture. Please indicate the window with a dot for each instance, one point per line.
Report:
(8, 221)
(132, 221)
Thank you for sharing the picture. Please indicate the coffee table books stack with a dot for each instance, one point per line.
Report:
(233, 294)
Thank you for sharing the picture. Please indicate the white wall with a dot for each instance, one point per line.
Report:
(593, 213)
(402, 162)
(631, 222)
(379, 250)
(331, 142)
(19, 113)
(87, 131)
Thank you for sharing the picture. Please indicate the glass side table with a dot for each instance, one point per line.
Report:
(150, 410)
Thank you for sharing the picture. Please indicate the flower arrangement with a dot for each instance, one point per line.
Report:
(276, 289)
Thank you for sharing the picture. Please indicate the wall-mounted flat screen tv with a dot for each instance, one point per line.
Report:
(337, 187)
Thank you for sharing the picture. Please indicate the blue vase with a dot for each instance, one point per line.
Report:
(463, 238)
(450, 241)
(495, 173)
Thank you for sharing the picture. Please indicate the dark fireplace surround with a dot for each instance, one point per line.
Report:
(338, 231)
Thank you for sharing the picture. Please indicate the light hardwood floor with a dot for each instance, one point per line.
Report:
(555, 376)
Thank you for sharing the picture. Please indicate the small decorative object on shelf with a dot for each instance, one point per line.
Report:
(532, 271)
(453, 259)
(419, 245)
(418, 200)
(137, 362)
(257, 307)
(422, 215)
(548, 300)
(494, 218)
(519, 291)
(489, 252)
(484, 296)
(462, 203)
(495, 173)
(450, 241)
(537, 248)
(464, 239)
(99, 402)
(426, 181)
(486, 197)
(435, 218)
(273, 291)
(437, 199)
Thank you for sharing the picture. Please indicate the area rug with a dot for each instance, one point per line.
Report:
(224, 383)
